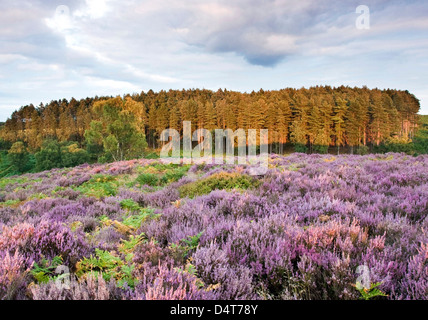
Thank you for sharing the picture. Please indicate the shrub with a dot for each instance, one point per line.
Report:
(12, 275)
(92, 287)
(218, 181)
(301, 234)
(362, 150)
(53, 239)
(320, 149)
(135, 220)
(107, 265)
(230, 282)
(99, 186)
(167, 283)
(149, 179)
(174, 174)
(301, 148)
(58, 155)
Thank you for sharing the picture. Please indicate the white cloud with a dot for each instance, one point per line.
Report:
(94, 9)
(114, 47)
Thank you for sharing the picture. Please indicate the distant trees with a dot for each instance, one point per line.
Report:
(54, 154)
(18, 157)
(49, 156)
(313, 119)
(72, 155)
(339, 111)
(299, 134)
(94, 140)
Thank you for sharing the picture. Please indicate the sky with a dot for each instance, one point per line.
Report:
(51, 50)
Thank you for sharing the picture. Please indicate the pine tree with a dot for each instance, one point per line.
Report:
(340, 111)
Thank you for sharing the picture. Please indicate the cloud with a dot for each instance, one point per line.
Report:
(267, 32)
(48, 51)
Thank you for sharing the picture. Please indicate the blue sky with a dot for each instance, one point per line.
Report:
(62, 49)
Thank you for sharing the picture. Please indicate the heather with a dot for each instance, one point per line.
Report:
(141, 229)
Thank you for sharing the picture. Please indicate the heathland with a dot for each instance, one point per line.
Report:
(88, 211)
(313, 227)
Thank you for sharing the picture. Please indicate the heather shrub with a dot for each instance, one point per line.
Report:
(73, 180)
(168, 283)
(161, 198)
(13, 274)
(299, 232)
(68, 194)
(91, 287)
(148, 255)
(18, 196)
(106, 238)
(86, 224)
(62, 213)
(108, 207)
(10, 216)
(52, 239)
(18, 237)
(230, 282)
(414, 285)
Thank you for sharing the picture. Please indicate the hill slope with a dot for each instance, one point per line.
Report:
(141, 229)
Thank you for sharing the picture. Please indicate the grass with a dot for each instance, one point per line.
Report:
(99, 186)
(218, 181)
(159, 175)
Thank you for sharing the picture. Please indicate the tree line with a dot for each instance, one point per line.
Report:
(312, 119)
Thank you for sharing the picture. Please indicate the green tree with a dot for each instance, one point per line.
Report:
(72, 155)
(49, 156)
(340, 111)
(18, 157)
(353, 124)
(298, 135)
(94, 140)
(5, 145)
(321, 141)
(54, 154)
(117, 130)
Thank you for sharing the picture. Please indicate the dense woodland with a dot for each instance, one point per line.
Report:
(318, 119)
(322, 116)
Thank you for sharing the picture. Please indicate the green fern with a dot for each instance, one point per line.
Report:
(44, 270)
(109, 266)
(367, 294)
(185, 246)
